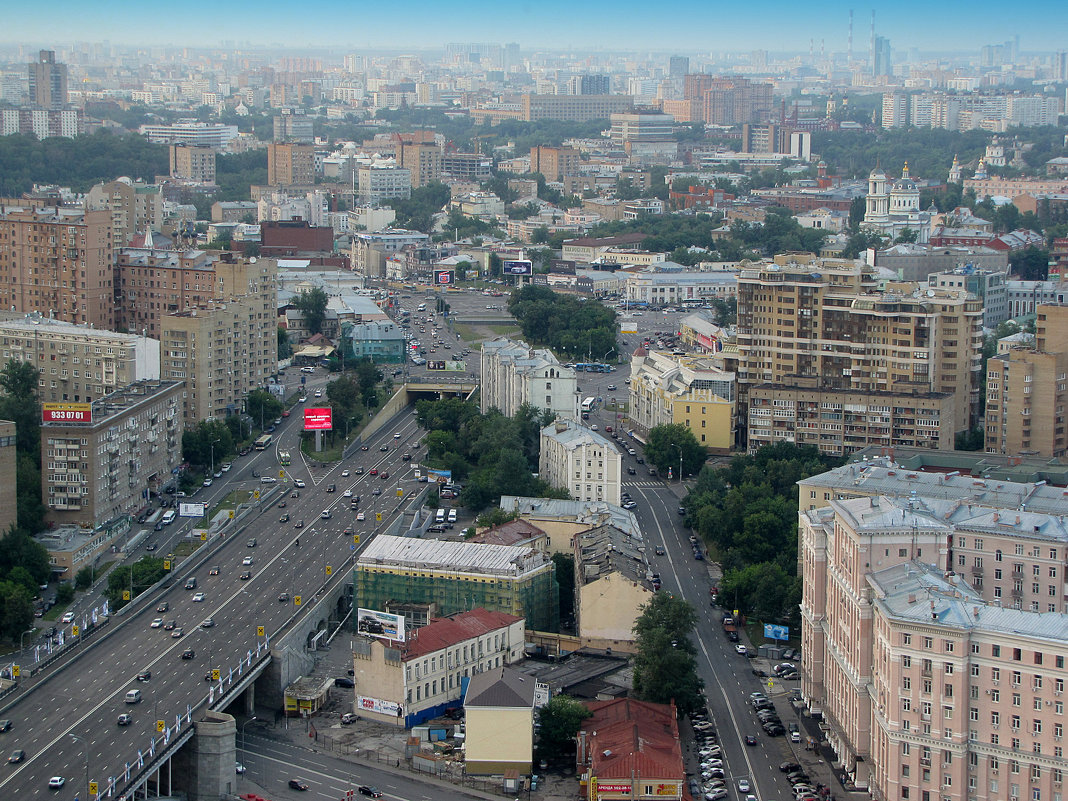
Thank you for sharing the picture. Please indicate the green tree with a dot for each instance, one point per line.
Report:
(65, 594)
(197, 443)
(565, 580)
(285, 347)
(16, 609)
(906, 236)
(665, 668)
(135, 578)
(262, 407)
(668, 444)
(312, 305)
(83, 579)
(19, 549)
(558, 723)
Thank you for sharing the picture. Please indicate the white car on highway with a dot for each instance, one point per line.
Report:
(198, 598)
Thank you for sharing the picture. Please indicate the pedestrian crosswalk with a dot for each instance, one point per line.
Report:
(643, 483)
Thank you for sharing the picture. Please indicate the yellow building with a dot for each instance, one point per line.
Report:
(499, 711)
(686, 390)
(611, 586)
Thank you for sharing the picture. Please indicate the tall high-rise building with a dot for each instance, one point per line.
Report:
(895, 110)
(883, 350)
(1026, 395)
(554, 162)
(48, 81)
(135, 207)
(678, 66)
(58, 262)
(192, 163)
(587, 84)
(733, 101)
(228, 346)
(882, 65)
(422, 160)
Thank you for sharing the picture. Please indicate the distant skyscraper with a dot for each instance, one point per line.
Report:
(679, 66)
(882, 65)
(48, 81)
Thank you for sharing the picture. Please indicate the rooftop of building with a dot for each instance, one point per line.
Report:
(572, 435)
(585, 512)
(374, 330)
(984, 485)
(919, 594)
(444, 632)
(501, 687)
(119, 402)
(604, 550)
(625, 737)
(459, 557)
(18, 322)
(513, 532)
(605, 241)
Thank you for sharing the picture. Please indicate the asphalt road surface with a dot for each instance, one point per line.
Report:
(86, 699)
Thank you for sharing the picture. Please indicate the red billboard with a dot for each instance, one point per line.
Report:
(318, 419)
(66, 413)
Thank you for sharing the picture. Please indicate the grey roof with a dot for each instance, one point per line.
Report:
(590, 512)
(501, 687)
(460, 557)
(574, 435)
(918, 593)
(603, 550)
(874, 479)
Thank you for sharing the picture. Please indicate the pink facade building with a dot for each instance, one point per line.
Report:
(934, 632)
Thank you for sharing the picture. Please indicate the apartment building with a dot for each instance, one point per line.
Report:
(408, 682)
(578, 108)
(586, 464)
(691, 391)
(370, 250)
(554, 162)
(289, 163)
(57, 262)
(378, 180)
(48, 81)
(1026, 392)
(190, 132)
(1024, 297)
(78, 363)
(457, 576)
(912, 262)
(42, 122)
(151, 283)
(100, 459)
(228, 346)
(513, 373)
(192, 163)
(135, 208)
(8, 475)
(734, 100)
(841, 421)
(990, 286)
(668, 284)
(895, 342)
(423, 161)
(928, 641)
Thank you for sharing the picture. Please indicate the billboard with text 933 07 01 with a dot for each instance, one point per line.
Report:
(444, 277)
(517, 268)
(318, 419)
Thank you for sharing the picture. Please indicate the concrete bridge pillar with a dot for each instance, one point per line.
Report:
(250, 700)
(204, 769)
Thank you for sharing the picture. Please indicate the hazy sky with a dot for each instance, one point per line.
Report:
(690, 25)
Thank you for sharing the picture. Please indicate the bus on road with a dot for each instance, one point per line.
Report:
(587, 404)
(263, 442)
(283, 457)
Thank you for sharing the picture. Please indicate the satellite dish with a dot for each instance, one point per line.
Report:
(252, 260)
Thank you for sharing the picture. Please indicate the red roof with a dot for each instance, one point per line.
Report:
(625, 738)
(511, 533)
(444, 632)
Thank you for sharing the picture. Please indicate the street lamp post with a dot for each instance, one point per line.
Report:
(22, 636)
(213, 455)
(243, 725)
(85, 745)
(679, 449)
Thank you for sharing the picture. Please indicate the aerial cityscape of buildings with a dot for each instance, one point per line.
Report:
(853, 253)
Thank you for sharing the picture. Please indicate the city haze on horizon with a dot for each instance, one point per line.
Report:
(685, 26)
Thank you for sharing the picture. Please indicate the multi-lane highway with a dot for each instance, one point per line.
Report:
(87, 698)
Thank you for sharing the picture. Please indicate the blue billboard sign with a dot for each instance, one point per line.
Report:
(776, 632)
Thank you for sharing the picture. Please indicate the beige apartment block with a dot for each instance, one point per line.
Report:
(806, 322)
(586, 464)
(422, 160)
(8, 472)
(153, 283)
(227, 347)
(192, 163)
(1027, 389)
(134, 207)
(57, 262)
(933, 635)
(499, 712)
(554, 162)
(77, 363)
(290, 163)
(839, 422)
(98, 468)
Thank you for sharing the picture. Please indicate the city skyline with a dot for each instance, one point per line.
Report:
(687, 26)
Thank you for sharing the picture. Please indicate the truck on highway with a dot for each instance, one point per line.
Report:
(729, 628)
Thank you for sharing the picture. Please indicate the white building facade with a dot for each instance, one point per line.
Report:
(513, 373)
(583, 462)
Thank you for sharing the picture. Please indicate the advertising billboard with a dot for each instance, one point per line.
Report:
(517, 268)
(435, 365)
(319, 419)
(380, 624)
(440, 476)
(455, 367)
(772, 632)
(66, 412)
(382, 707)
(613, 787)
(443, 277)
(191, 509)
